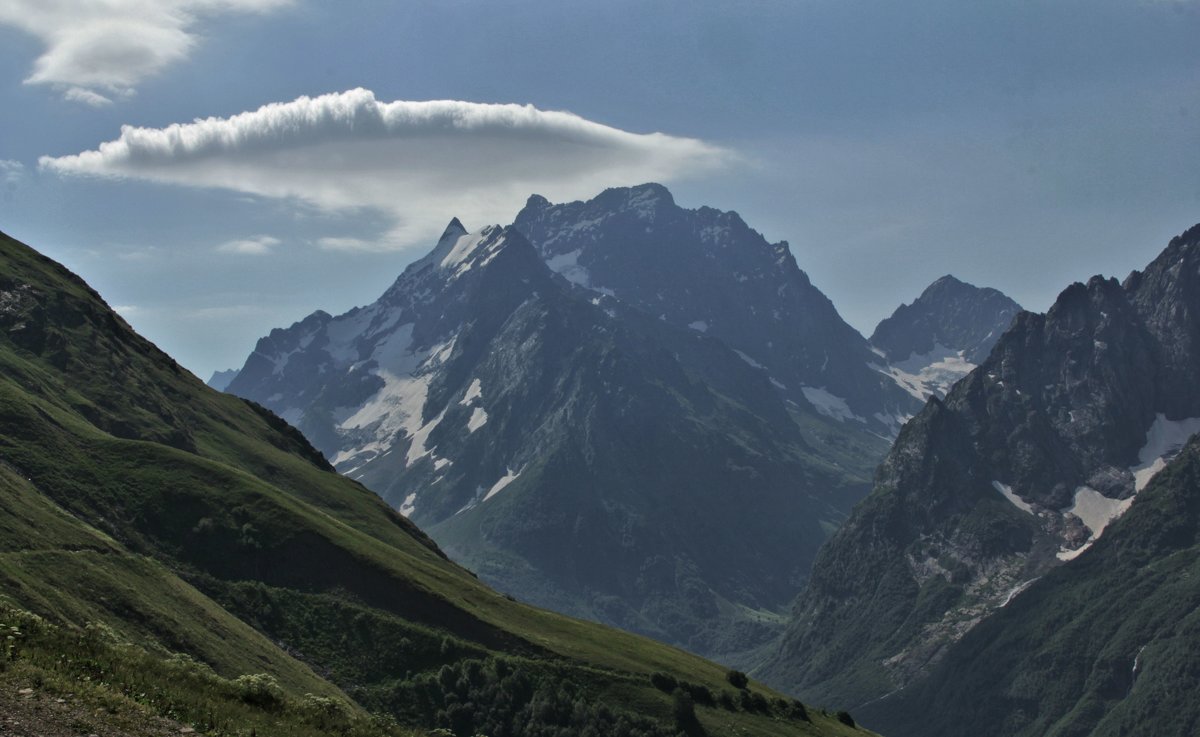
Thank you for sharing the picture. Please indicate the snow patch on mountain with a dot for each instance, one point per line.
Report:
(645, 202)
(1163, 440)
(893, 421)
(1008, 494)
(474, 391)
(396, 409)
(748, 359)
(1096, 510)
(407, 507)
(567, 265)
(504, 481)
(928, 374)
(417, 449)
(479, 418)
(461, 251)
(828, 404)
(280, 362)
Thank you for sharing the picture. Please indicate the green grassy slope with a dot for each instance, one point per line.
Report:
(189, 521)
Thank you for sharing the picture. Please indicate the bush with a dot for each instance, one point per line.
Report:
(737, 679)
(760, 702)
(322, 709)
(798, 711)
(664, 682)
(259, 689)
(845, 718)
(684, 710)
(683, 707)
(751, 701)
(700, 694)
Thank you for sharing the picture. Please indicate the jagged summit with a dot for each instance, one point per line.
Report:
(642, 196)
(1025, 465)
(641, 200)
(706, 270)
(565, 436)
(454, 229)
(457, 250)
(942, 335)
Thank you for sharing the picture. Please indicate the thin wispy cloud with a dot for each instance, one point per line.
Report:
(11, 171)
(256, 246)
(416, 162)
(96, 50)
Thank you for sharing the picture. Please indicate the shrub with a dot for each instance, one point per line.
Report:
(684, 710)
(798, 711)
(663, 682)
(322, 708)
(845, 718)
(683, 707)
(700, 694)
(259, 689)
(737, 679)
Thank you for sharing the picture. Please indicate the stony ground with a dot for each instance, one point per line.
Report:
(27, 711)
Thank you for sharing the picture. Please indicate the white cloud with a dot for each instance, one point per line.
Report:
(419, 163)
(256, 246)
(87, 97)
(347, 244)
(11, 171)
(98, 48)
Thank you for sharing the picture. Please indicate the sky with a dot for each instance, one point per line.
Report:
(219, 168)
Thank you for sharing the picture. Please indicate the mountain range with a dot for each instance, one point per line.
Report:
(612, 408)
(175, 559)
(1015, 567)
(599, 406)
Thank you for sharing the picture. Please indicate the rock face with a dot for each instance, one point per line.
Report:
(1022, 466)
(942, 335)
(708, 271)
(571, 448)
(1107, 644)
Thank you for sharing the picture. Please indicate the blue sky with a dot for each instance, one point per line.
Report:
(1020, 145)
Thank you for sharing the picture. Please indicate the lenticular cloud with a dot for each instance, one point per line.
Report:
(418, 162)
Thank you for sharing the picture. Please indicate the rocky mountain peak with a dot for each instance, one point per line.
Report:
(706, 270)
(949, 287)
(942, 335)
(564, 437)
(641, 199)
(454, 229)
(1022, 467)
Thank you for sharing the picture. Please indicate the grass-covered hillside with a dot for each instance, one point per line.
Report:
(1106, 645)
(171, 555)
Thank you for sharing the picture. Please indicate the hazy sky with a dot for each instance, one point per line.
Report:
(216, 168)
